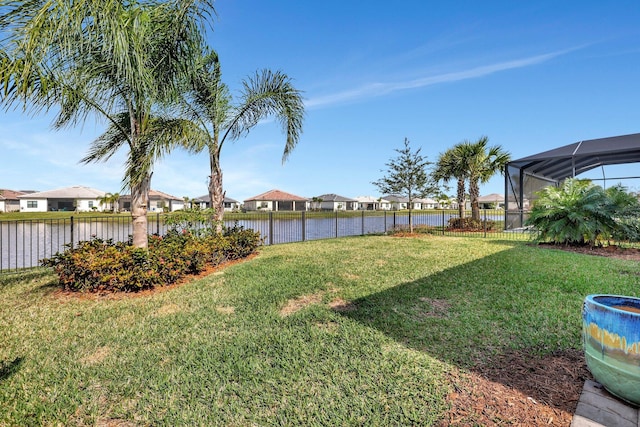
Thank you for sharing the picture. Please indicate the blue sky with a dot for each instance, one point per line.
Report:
(531, 76)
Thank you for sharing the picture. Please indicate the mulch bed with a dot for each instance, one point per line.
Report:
(518, 389)
(606, 251)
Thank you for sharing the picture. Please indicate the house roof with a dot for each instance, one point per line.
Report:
(206, 198)
(277, 195)
(75, 192)
(427, 200)
(579, 157)
(396, 198)
(493, 197)
(155, 194)
(335, 198)
(10, 194)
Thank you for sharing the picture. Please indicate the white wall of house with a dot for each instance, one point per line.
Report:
(33, 205)
(86, 205)
(332, 206)
(2, 206)
(177, 205)
(12, 206)
(231, 206)
(160, 205)
(398, 205)
(258, 205)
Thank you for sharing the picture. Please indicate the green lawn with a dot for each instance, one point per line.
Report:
(352, 331)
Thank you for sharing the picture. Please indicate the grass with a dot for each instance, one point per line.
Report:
(260, 344)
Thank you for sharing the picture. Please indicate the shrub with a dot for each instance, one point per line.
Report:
(242, 242)
(99, 265)
(582, 213)
(471, 224)
(102, 265)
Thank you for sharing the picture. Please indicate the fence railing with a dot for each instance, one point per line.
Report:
(23, 243)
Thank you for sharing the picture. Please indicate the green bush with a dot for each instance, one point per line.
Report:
(242, 242)
(102, 265)
(582, 213)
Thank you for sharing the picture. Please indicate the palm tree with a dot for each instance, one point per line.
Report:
(265, 94)
(106, 200)
(472, 161)
(451, 165)
(481, 163)
(121, 61)
(115, 202)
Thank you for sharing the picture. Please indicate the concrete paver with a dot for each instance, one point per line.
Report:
(598, 408)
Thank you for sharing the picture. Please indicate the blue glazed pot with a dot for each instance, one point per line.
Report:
(611, 336)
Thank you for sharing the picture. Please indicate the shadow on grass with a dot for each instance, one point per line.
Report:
(20, 276)
(8, 368)
(512, 328)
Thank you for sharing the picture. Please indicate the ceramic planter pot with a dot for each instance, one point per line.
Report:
(611, 336)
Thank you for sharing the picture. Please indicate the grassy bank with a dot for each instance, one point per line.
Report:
(336, 332)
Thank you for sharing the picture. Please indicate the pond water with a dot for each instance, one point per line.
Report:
(24, 243)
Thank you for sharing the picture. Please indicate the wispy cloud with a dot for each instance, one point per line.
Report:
(380, 89)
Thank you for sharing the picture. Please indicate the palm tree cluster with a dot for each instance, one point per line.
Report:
(143, 67)
(472, 162)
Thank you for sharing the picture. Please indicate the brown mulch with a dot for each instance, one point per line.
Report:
(518, 389)
(613, 251)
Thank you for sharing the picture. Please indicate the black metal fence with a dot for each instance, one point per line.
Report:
(23, 243)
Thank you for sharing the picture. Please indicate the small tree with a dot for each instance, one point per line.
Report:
(407, 176)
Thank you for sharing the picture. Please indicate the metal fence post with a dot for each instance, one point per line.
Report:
(362, 224)
(304, 226)
(271, 228)
(158, 223)
(394, 220)
(485, 223)
(71, 218)
(385, 222)
(336, 224)
(443, 222)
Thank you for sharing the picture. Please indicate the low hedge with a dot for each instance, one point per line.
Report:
(100, 265)
(471, 224)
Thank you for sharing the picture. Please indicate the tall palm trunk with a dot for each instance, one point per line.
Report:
(139, 187)
(474, 193)
(139, 208)
(460, 197)
(216, 193)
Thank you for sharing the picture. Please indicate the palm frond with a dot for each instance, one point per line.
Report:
(107, 144)
(268, 94)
